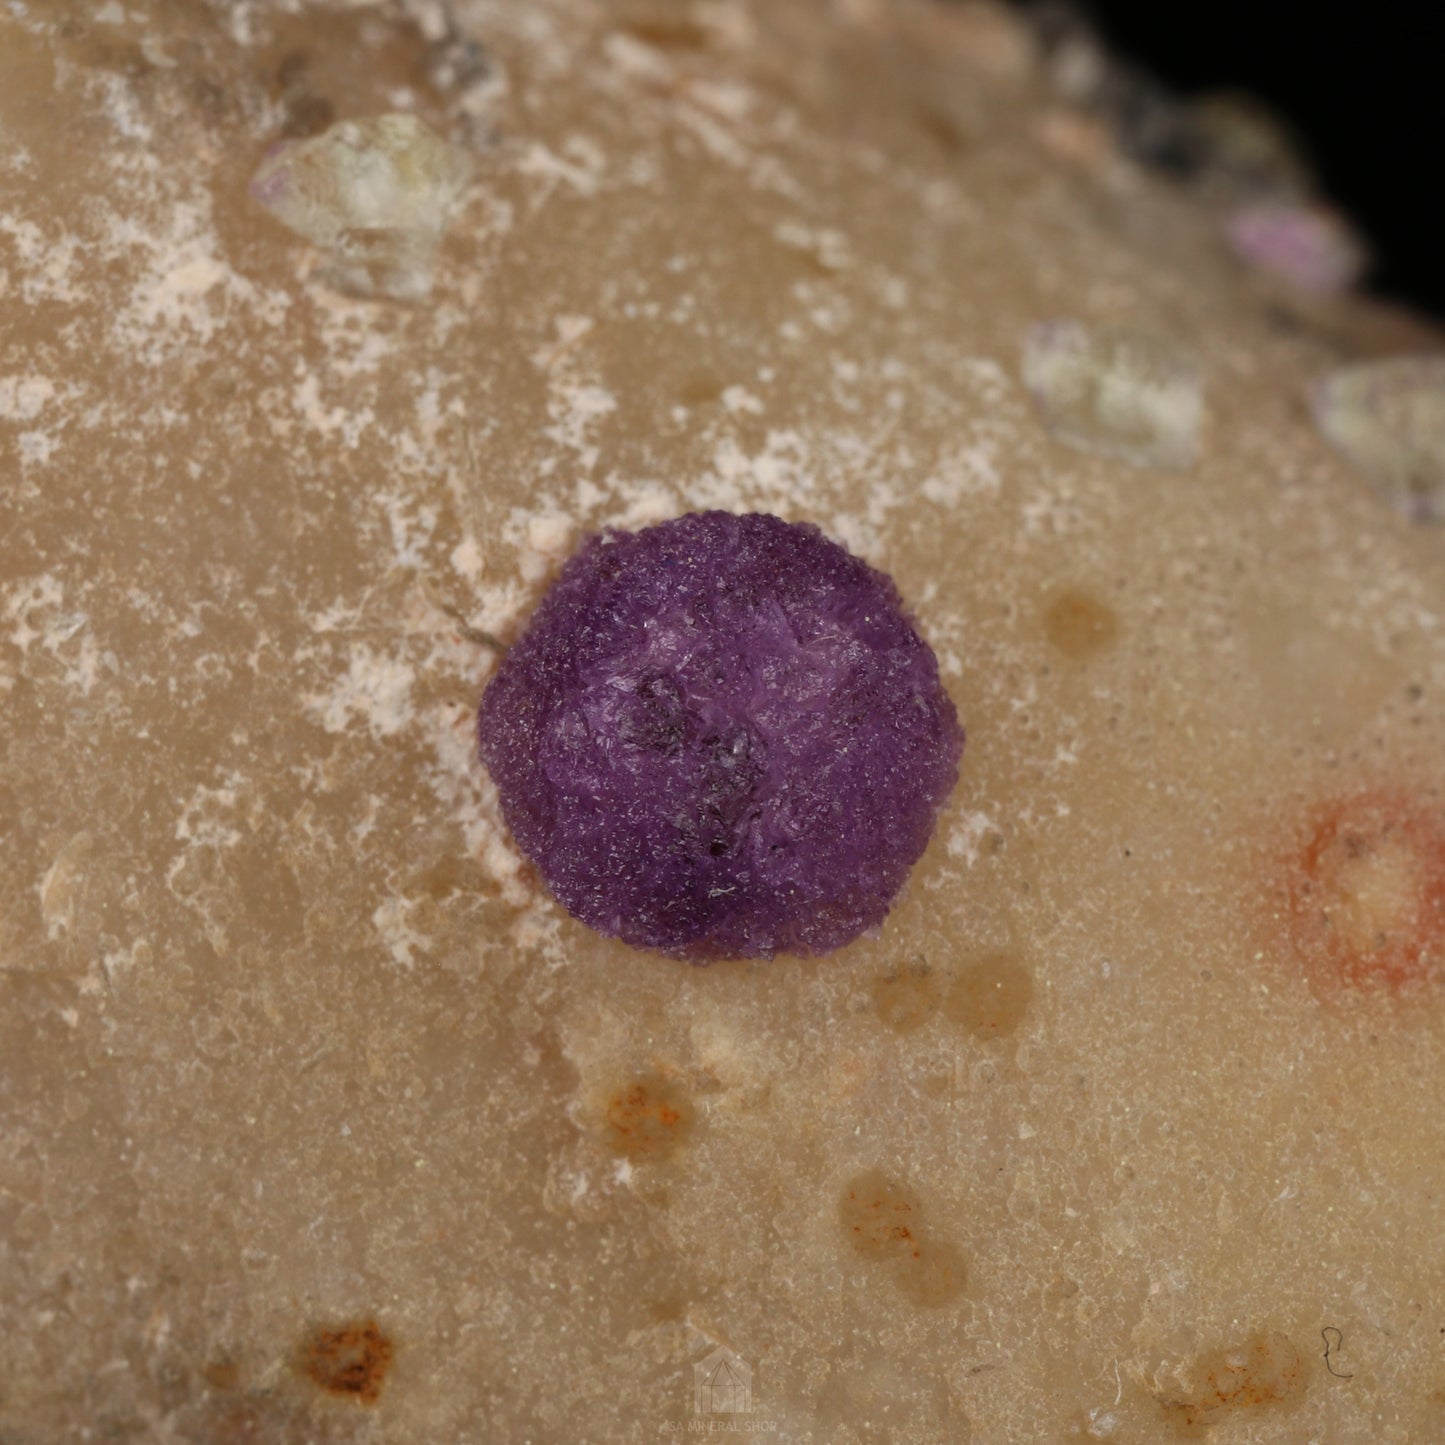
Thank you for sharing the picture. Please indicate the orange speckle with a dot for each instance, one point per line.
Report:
(934, 1275)
(882, 1220)
(1365, 894)
(879, 1216)
(1264, 1370)
(351, 1360)
(646, 1119)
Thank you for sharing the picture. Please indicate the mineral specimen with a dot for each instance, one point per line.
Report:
(376, 193)
(722, 737)
(1117, 392)
(1388, 418)
(311, 1094)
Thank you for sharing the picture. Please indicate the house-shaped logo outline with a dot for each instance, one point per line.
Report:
(722, 1384)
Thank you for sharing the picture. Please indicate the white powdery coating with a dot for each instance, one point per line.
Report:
(966, 837)
(208, 819)
(1118, 392)
(39, 614)
(402, 941)
(376, 691)
(23, 397)
(1388, 420)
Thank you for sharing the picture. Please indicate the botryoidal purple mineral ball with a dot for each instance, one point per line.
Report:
(721, 737)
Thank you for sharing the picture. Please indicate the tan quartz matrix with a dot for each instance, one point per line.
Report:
(320, 1122)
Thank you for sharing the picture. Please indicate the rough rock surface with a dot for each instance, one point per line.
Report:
(321, 1121)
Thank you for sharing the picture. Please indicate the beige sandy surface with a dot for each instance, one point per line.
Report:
(1111, 1131)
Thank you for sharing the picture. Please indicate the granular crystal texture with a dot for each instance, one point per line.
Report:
(722, 737)
(1388, 419)
(1119, 392)
(376, 193)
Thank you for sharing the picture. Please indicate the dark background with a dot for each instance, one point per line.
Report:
(1363, 82)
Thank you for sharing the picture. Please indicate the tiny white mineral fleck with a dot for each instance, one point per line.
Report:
(1117, 392)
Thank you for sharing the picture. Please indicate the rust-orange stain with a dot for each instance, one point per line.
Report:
(1364, 895)
(935, 1275)
(351, 1361)
(879, 1216)
(663, 31)
(1265, 1370)
(882, 1220)
(1078, 624)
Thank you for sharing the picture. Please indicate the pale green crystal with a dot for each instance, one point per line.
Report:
(376, 193)
(1388, 419)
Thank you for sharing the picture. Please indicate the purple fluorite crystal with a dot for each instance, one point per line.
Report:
(721, 737)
